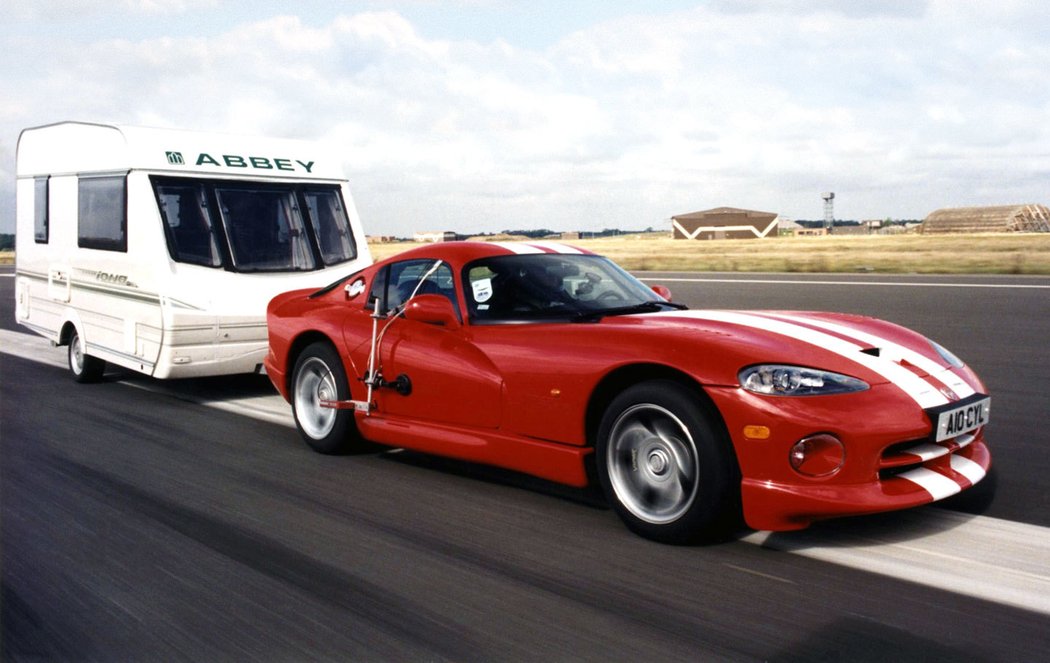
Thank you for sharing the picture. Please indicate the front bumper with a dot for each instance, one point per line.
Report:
(891, 460)
(769, 505)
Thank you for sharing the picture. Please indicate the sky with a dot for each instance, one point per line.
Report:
(484, 115)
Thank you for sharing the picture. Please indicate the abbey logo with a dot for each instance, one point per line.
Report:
(237, 161)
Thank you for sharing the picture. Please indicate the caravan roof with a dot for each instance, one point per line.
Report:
(82, 147)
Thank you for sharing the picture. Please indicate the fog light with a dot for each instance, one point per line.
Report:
(818, 455)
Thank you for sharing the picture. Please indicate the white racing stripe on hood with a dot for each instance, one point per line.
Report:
(895, 351)
(921, 391)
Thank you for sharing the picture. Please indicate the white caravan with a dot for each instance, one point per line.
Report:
(158, 250)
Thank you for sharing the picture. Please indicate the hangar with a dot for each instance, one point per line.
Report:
(1002, 218)
(724, 223)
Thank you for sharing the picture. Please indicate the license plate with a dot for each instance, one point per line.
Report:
(964, 418)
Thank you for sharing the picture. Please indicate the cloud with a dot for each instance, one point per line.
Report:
(64, 10)
(898, 107)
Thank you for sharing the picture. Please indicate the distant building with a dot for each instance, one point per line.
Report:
(787, 226)
(1003, 218)
(811, 232)
(724, 223)
(862, 228)
(441, 236)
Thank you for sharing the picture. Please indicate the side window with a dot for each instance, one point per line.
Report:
(265, 229)
(414, 277)
(191, 234)
(41, 210)
(102, 213)
(331, 226)
(378, 291)
(479, 291)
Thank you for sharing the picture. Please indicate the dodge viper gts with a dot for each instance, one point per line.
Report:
(553, 361)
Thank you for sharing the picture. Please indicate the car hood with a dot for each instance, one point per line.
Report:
(873, 350)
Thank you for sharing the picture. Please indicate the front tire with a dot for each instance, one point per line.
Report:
(319, 376)
(84, 367)
(666, 465)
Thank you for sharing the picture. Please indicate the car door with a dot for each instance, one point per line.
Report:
(442, 376)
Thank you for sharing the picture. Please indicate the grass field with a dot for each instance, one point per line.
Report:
(919, 254)
(895, 254)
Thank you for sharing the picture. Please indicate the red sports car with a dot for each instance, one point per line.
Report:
(553, 361)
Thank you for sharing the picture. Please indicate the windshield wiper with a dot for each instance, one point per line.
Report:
(642, 307)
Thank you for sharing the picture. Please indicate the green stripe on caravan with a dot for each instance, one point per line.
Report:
(263, 163)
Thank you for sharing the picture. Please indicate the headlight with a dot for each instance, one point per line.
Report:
(947, 355)
(780, 380)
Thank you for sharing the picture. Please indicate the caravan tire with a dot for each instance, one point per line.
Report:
(83, 366)
(318, 376)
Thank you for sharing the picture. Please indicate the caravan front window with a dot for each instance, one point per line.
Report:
(254, 226)
(329, 222)
(265, 229)
(191, 234)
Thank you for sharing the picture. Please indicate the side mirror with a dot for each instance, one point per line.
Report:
(663, 291)
(432, 310)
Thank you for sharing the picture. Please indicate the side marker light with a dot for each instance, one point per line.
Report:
(757, 432)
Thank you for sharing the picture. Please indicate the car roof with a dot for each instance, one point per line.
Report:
(464, 252)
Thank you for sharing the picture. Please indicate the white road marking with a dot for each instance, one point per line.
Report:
(903, 284)
(759, 573)
(987, 558)
(266, 408)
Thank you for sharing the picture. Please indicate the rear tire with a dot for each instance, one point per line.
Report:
(666, 465)
(319, 376)
(84, 367)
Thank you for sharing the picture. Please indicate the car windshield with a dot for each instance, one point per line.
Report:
(546, 286)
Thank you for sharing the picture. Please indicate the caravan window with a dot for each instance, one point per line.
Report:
(40, 210)
(265, 229)
(254, 226)
(102, 213)
(191, 233)
(330, 225)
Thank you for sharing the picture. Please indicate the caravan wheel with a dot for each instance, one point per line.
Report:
(83, 366)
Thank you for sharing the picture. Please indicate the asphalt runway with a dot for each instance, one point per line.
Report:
(145, 521)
